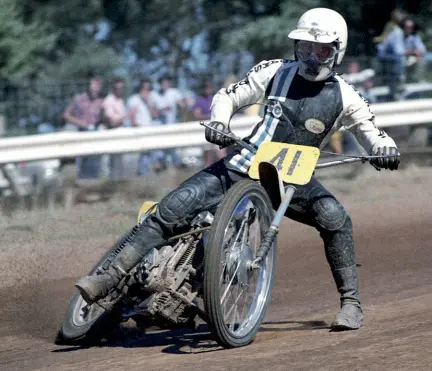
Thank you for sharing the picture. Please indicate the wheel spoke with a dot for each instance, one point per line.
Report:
(245, 300)
(234, 306)
(236, 317)
(224, 272)
(230, 282)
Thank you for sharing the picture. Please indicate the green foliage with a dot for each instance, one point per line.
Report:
(47, 49)
(425, 19)
(88, 56)
(267, 37)
(52, 39)
(23, 46)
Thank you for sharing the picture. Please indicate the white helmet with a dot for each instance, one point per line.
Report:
(316, 27)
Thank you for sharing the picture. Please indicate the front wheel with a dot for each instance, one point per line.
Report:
(236, 296)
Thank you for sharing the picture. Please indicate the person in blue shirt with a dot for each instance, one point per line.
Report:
(414, 51)
(391, 55)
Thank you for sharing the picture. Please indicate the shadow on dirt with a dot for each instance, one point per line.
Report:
(278, 326)
(185, 341)
(176, 341)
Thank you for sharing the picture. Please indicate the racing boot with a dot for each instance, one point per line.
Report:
(97, 286)
(350, 316)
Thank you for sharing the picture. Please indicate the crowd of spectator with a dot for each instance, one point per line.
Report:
(90, 111)
(400, 56)
(400, 52)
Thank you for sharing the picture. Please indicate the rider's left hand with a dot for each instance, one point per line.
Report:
(391, 163)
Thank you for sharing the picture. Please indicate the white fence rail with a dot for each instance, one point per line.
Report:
(71, 144)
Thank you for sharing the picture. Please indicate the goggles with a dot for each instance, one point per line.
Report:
(324, 52)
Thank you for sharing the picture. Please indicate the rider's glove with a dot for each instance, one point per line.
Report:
(391, 163)
(216, 138)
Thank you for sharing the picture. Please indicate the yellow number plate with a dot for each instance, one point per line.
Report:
(295, 164)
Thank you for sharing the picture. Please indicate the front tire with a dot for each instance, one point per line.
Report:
(86, 324)
(227, 265)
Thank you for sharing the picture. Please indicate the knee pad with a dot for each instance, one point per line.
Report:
(181, 203)
(329, 213)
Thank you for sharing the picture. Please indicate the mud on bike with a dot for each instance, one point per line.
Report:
(221, 268)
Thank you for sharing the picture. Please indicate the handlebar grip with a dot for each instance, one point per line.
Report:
(239, 141)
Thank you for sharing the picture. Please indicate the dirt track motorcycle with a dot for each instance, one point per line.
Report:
(220, 268)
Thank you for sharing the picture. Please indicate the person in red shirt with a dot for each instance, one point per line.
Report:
(85, 113)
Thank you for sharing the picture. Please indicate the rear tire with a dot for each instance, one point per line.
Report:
(233, 334)
(79, 329)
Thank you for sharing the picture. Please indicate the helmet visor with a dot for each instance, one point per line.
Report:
(324, 52)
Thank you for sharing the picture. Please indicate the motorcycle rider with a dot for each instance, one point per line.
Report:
(315, 102)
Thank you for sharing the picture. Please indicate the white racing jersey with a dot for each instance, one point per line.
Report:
(298, 111)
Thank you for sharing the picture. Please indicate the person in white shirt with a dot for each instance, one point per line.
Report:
(169, 99)
(143, 106)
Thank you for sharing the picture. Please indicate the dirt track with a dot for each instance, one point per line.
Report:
(43, 254)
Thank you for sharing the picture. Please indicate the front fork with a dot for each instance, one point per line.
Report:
(271, 233)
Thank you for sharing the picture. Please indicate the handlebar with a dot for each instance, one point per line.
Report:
(252, 149)
(340, 162)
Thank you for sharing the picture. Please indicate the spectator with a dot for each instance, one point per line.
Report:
(85, 113)
(366, 91)
(115, 115)
(143, 106)
(414, 50)
(201, 111)
(391, 54)
(201, 108)
(357, 77)
(396, 17)
(362, 80)
(169, 99)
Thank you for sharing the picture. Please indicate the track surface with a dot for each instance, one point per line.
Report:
(43, 254)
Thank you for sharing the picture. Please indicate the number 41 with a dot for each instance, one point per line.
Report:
(279, 160)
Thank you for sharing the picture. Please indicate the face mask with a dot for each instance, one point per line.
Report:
(313, 65)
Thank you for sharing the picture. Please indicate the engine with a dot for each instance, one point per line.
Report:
(173, 276)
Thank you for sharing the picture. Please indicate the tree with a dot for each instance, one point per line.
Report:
(47, 48)
(180, 34)
(23, 46)
(266, 37)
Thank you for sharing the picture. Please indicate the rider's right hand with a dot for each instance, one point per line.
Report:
(216, 138)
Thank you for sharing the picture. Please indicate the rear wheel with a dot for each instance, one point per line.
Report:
(85, 323)
(236, 296)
